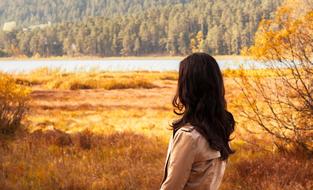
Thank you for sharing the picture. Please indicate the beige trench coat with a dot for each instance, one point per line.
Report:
(191, 164)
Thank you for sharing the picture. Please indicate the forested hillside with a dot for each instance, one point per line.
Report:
(141, 27)
(29, 12)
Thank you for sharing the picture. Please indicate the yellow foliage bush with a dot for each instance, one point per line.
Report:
(288, 36)
(13, 104)
(285, 45)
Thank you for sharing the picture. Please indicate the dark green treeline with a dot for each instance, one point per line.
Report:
(141, 27)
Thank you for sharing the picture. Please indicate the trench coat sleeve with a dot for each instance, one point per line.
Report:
(180, 161)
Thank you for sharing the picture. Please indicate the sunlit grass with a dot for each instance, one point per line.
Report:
(58, 79)
(104, 138)
(116, 161)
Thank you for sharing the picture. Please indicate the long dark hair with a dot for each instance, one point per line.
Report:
(200, 101)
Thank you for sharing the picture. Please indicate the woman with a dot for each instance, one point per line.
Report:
(199, 147)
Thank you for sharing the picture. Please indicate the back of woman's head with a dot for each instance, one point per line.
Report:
(200, 101)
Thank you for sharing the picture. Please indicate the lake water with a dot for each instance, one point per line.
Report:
(17, 66)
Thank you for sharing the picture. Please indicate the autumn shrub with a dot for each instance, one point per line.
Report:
(281, 104)
(13, 104)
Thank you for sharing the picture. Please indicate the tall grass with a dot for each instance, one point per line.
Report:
(271, 172)
(53, 159)
(58, 79)
(115, 161)
(107, 84)
(125, 143)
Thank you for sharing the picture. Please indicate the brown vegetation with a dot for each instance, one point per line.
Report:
(121, 160)
(271, 172)
(117, 139)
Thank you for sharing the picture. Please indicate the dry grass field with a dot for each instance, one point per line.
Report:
(101, 130)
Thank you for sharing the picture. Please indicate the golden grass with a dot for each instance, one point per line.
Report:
(117, 139)
(116, 161)
(107, 84)
(57, 79)
(268, 171)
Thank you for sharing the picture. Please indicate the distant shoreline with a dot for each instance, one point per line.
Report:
(218, 57)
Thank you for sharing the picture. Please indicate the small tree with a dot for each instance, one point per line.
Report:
(13, 104)
(281, 102)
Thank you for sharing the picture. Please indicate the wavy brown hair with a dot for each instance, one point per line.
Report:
(200, 101)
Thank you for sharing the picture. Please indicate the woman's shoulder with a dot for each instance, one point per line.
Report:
(189, 130)
(203, 148)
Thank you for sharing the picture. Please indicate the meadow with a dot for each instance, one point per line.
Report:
(102, 130)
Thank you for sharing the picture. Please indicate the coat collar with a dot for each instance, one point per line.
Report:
(187, 127)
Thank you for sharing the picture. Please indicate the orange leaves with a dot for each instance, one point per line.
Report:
(10, 90)
(13, 100)
(284, 36)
